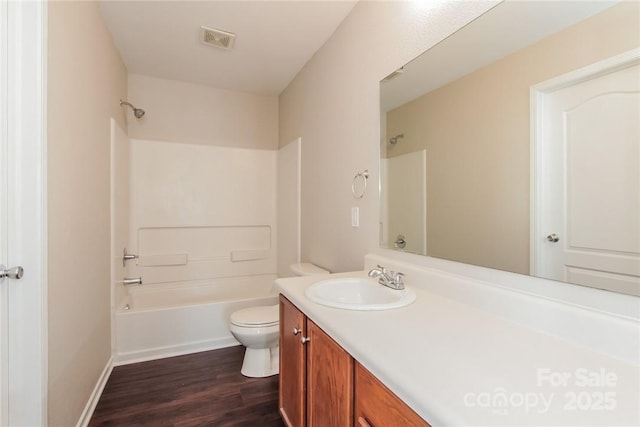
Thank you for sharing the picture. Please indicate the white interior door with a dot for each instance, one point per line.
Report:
(589, 225)
(405, 216)
(22, 220)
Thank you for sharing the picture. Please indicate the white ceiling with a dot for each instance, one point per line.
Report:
(275, 39)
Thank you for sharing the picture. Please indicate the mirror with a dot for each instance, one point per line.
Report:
(514, 144)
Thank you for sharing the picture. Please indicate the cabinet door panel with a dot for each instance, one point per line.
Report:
(292, 365)
(329, 381)
(377, 406)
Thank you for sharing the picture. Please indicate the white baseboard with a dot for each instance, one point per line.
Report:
(174, 350)
(95, 395)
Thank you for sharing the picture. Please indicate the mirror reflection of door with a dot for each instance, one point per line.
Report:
(589, 140)
(405, 217)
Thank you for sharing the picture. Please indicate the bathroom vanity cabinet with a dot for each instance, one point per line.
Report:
(376, 405)
(320, 383)
(316, 374)
(293, 365)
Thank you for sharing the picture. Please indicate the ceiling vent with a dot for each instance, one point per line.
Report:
(217, 38)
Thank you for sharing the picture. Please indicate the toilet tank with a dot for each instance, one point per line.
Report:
(307, 269)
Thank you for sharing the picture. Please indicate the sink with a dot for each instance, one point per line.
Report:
(358, 294)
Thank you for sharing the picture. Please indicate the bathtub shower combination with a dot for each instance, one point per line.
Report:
(203, 251)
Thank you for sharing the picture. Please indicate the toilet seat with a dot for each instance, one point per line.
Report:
(256, 317)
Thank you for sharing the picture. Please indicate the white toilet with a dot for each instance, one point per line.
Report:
(257, 328)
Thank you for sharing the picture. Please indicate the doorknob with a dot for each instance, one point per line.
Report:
(11, 273)
(553, 238)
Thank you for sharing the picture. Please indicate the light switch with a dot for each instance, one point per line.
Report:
(355, 217)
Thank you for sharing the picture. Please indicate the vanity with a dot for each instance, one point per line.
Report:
(323, 385)
(465, 352)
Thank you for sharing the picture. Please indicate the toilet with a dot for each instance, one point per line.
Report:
(257, 328)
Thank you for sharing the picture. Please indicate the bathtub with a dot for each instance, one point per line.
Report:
(163, 320)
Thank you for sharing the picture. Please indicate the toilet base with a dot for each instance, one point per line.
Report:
(261, 362)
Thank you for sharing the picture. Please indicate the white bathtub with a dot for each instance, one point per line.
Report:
(163, 320)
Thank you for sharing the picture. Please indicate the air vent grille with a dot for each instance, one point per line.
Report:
(217, 38)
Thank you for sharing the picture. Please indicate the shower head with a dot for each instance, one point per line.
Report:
(138, 112)
(394, 140)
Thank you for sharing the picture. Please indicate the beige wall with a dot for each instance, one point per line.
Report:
(478, 174)
(86, 77)
(196, 114)
(333, 104)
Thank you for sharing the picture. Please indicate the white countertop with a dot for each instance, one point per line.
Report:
(457, 364)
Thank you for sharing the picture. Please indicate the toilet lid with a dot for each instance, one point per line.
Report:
(256, 316)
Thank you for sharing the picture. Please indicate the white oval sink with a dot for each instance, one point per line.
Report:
(354, 293)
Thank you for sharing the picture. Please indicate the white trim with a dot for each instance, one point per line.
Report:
(44, 223)
(4, 307)
(27, 56)
(589, 72)
(538, 93)
(87, 413)
(173, 350)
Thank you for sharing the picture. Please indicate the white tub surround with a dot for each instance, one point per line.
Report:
(167, 320)
(201, 212)
(467, 352)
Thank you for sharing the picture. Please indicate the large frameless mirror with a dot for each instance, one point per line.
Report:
(514, 144)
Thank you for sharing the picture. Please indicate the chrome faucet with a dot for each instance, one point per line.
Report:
(390, 279)
(132, 281)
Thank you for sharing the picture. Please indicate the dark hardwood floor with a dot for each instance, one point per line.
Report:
(200, 389)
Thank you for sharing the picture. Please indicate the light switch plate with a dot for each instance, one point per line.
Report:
(355, 217)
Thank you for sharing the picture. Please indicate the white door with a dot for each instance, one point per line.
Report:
(589, 225)
(405, 201)
(22, 304)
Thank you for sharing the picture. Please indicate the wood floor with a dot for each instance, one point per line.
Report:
(201, 389)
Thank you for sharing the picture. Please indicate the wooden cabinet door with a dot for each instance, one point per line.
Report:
(292, 364)
(377, 406)
(329, 381)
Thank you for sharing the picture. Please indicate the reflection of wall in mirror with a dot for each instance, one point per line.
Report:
(476, 131)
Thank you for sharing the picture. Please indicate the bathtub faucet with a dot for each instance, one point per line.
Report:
(127, 256)
(133, 281)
